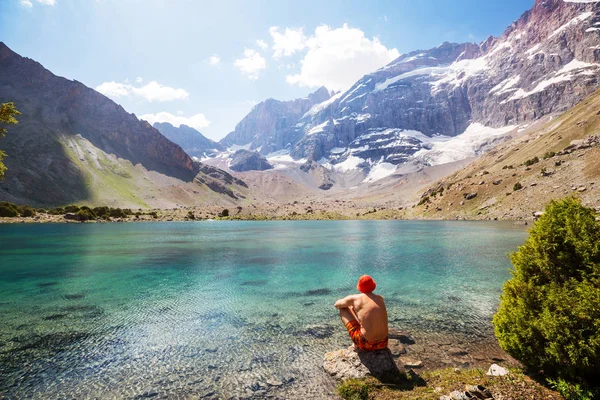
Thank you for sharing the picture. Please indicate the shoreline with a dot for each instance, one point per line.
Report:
(181, 215)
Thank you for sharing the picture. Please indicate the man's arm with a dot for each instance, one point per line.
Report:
(346, 302)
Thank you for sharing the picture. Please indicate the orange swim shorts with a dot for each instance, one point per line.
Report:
(360, 341)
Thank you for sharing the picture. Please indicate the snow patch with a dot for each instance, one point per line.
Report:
(318, 128)
(379, 171)
(349, 164)
(465, 145)
(321, 106)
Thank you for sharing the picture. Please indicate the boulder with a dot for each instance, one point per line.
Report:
(350, 363)
(244, 160)
(496, 370)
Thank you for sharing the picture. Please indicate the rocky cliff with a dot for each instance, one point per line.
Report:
(73, 144)
(268, 126)
(191, 141)
(244, 160)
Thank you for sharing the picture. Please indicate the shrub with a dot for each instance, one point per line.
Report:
(532, 161)
(57, 211)
(570, 391)
(8, 210)
(548, 155)
(225, 213)
(71, 209)
(354, 389)
(85, 214)
(517, 186)
(549, 317)
(101, 211)
(190, 215)
(26, 211)
(117, 213)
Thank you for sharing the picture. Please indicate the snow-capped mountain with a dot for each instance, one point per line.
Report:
(194, 143)
(266, 128)
(449, 102)
(544, 63)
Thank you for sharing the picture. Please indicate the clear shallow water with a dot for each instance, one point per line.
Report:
(225, 309)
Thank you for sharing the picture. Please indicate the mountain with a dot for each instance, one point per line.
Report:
(73, 144)
(517, 178)
(264, 128)
(244, 160)
(455, 100)
(191, 141)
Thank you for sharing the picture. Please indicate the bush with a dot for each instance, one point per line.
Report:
(86, 214)
(354, 389)
(549, 317)
(517, 186)
(190, 215)
(570, 391)
(57, 211)
(532, 161)
(8, 210)
(225, 213)
(26, 211)
(117, 213)
(548, 155)
(71, 209)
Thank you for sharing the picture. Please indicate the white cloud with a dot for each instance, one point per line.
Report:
(337, 58)
(47, 2)
(251, 64)
(288, 42)
(152, 91)
(198, 121)
(214, 59)
(26, 3)
(139, 79)
(262, 44)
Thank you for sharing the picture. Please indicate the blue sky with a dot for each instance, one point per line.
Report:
(206, 63)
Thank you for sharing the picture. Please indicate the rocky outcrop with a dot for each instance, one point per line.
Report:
(191, 141)
(268, 126)
(348, 364)
(244, 160)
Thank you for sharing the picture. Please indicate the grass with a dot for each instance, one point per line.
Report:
(433, 384)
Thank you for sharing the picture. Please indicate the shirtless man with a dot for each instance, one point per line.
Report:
(365, 316)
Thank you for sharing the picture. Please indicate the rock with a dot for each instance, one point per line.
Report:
(72, 217)
(244, 160)
(396, 347)
(497, 182)
(411, 362)
(470, 196)
(496, 370)
(455, 351)
(582, 189)
(348, 363)
(402, 337)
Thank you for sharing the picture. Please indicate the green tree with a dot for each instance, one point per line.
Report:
(7, 116)
(549, 314)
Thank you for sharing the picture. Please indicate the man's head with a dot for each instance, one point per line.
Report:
(366, 284)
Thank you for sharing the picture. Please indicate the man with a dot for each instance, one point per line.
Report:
(365, 316)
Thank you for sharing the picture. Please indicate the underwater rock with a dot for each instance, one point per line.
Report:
(74, 296)
(320, 332)
(348, 364)
(318, 292)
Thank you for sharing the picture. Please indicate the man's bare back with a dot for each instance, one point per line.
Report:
(369, 310)
(365, 316)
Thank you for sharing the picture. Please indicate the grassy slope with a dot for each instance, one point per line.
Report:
(116, 182)
(578, 170)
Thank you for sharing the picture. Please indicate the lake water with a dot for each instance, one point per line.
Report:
(226, 309)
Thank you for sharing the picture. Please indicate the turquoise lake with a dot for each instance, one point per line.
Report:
(226, 309)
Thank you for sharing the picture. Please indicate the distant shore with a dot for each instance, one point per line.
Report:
(183, 214)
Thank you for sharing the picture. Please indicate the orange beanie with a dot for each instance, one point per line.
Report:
(366, 284)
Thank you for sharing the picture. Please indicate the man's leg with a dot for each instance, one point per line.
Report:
(347, 315)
